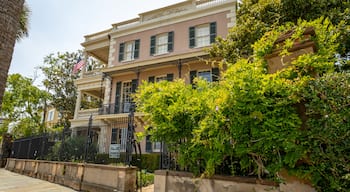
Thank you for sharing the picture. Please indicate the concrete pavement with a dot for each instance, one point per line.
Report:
(13, 182)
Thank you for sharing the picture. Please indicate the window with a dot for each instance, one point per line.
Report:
(126, 96)
(167, 77)
(161, 78)
(114, 136)
(208, 75)
(202, 35)
(51, 115)
(129, 51)
(123, 99)
(119, 136)
(162, 43)
(157, 146)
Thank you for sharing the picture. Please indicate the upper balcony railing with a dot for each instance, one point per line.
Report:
(113, 108)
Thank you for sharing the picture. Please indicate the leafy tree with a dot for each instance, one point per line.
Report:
(256, 17)
(22, 105)
(59, 80)
(252, 122)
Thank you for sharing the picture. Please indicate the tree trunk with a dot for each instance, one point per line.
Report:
(10, 11)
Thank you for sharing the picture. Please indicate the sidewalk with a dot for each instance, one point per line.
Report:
(13, 182)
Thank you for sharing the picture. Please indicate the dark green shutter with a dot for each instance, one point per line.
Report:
(153, 45)
(137, 49)
(193, 74)
(215, 74)
(170, 77)
(134, 84)
(170, 41)
(121, 52)
(148, 144)
(151, 79)
(212, 32)
(117, 97)
(192, 37)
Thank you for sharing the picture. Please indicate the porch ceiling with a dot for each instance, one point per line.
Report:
(100, 53)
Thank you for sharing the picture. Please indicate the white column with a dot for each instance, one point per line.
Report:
(85, 59)
(102, 140)
(77, 105)
(107, 95)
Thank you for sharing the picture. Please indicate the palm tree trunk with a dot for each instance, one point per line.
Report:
(10, 11)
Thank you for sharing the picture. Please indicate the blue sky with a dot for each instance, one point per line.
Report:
(60, 26)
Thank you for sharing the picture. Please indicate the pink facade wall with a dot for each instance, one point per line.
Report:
(181, 37)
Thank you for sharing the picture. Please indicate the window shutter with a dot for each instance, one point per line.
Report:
(134, 84)
(117, 97)
(170, 41)
(153, 45)
(137, 49)
(212, 32)
(121, 52)
(192, 37)
(151, 79)
(170, 77)
(193, 74)
(215, 74)
(148, 144)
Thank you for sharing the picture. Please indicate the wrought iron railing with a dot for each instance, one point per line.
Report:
(115, 108)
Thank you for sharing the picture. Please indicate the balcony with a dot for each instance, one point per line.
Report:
(113, 108)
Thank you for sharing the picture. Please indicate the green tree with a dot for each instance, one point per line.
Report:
(59, 81)
(22, 105)
(251, 120)
(256, 17)
(9, 22)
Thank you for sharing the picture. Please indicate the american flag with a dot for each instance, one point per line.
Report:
(78, 65)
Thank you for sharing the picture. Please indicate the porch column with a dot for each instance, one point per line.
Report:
(107, 95)
(77, 105)
(102, 140)
(85, 59)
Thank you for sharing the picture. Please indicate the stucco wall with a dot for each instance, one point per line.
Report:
(79, 176)
(171, 181)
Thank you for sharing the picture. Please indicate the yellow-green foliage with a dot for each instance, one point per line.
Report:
(252, 121)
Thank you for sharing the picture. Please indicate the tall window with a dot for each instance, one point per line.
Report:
(209, 75)
(206, 75)
(123, 99)
(51, 115)
(202, 35)
(162, 43)
(129, 50)
(126, 96)
(119, 136)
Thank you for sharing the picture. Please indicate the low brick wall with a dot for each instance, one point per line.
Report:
(79, 176)
(185, 182)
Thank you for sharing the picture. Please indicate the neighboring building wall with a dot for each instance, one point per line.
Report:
(52, 117)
